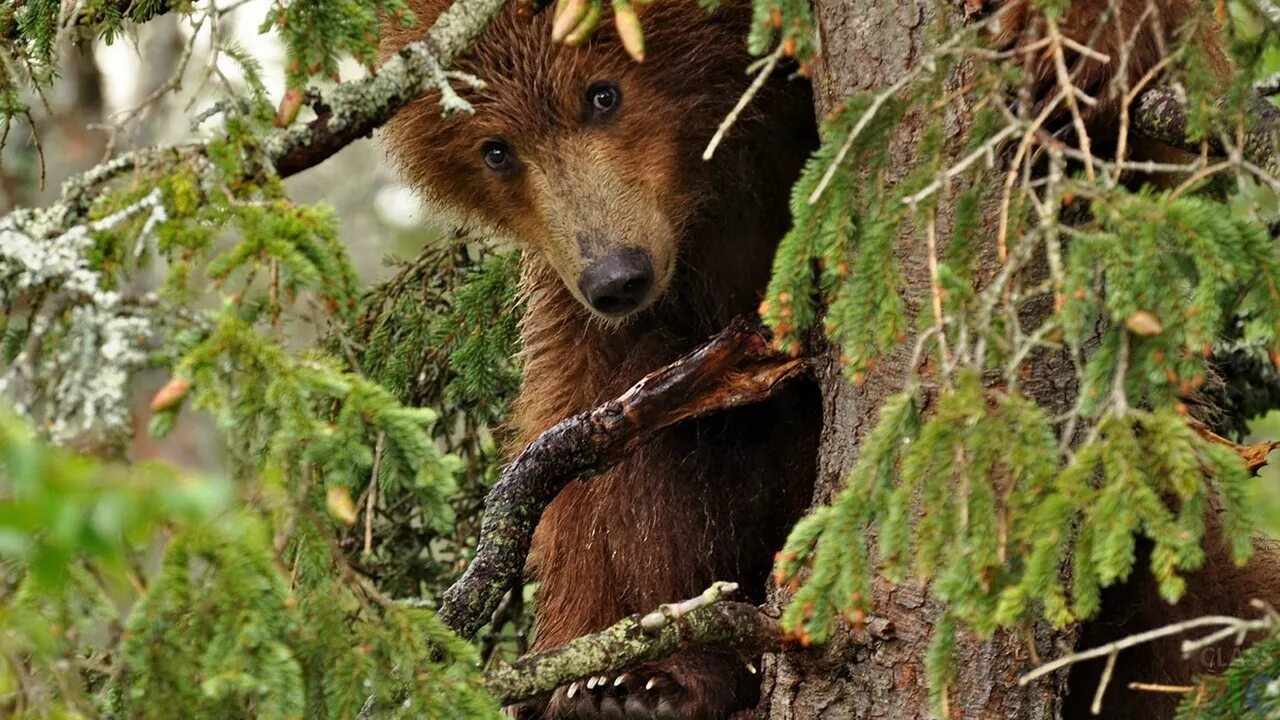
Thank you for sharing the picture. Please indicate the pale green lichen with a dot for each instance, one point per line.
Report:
(90, 369)
(83, 340)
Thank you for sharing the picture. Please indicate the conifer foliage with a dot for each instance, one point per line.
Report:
(131, 591)
(362, 426)
(1012, 509)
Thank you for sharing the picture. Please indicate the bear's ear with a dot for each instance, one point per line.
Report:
(395, 37)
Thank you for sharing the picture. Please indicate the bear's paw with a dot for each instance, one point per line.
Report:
(690, 686)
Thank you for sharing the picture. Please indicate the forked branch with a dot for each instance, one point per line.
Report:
(1224, 628)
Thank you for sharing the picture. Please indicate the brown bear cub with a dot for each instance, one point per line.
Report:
(636, 251)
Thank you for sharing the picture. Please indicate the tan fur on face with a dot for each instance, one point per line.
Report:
(712, 498)
(590, 205)
(579, 188)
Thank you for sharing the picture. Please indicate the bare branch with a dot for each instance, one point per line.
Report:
(737, 367)
(655, 620)
(1162, 688)
(763, 70)
(1228, 627)
(1254, 456)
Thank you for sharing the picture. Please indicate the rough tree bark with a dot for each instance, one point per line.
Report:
(866, 46)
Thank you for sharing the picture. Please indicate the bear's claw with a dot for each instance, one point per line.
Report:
(634, 695)
(698, 685)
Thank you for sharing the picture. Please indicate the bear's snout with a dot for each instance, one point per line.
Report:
(618, 282)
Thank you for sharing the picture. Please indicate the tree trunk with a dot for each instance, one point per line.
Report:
(866, 46)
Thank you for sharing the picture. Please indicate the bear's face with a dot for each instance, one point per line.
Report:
(597, 192)
(585, 157)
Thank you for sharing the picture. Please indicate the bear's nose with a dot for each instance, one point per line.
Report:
(618, 282)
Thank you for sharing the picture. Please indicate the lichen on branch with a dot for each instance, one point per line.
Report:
(706, 620)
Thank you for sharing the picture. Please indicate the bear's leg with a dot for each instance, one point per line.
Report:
(710, 500)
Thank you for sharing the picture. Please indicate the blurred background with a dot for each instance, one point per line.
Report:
(109, 100)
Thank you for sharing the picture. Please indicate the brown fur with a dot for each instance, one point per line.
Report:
(1144, 31)
(709, 500)
(1134, 35)
(1218, 588)
(713, 499)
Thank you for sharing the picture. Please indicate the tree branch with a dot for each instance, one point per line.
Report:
(1160, 114)
(736, 367)
(86, 17)
(354, 109)
(701, 621)
(350, 111)
(1227, 627)
(1254, 456)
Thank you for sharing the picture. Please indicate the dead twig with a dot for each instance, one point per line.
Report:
(1254, 456)
(763, 71)
(1160, 688)
(1227, 627)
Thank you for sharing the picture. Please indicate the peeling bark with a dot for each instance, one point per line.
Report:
(869, 46)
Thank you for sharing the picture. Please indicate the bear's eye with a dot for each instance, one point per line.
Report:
(498, 156)
(602, 100)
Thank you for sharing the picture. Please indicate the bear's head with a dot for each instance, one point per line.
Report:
(586, 157)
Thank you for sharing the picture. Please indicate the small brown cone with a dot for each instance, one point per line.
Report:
(1144, 323)
(171, 395)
